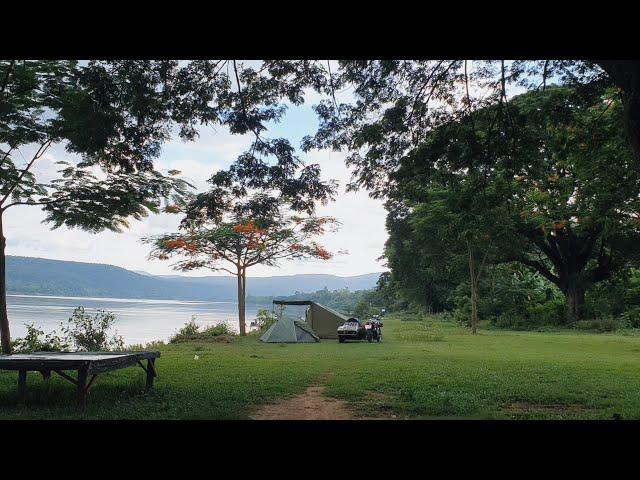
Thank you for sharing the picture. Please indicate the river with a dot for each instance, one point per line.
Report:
(138, 321)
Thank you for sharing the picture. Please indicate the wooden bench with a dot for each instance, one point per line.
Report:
(87, 364)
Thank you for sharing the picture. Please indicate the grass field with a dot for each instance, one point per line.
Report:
(422, 369)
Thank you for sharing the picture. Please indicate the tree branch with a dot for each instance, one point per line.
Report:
(6, 76)
(43, 148)
(540, 268)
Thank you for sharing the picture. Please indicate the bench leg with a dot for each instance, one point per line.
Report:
(81, 387)
(22, 387)
(151, 373)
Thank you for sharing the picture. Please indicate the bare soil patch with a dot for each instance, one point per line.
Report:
(311, 405)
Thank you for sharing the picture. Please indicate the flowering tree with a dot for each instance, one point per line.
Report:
(234, 246)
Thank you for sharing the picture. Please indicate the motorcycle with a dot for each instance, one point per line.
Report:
(373, 329)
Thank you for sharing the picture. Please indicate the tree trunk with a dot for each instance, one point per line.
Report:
(4, 318)
(574, 297)
(474, 293)
(241, 300)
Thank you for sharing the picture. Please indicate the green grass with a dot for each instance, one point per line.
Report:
(422, 369)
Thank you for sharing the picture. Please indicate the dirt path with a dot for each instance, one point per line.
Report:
(311, 405)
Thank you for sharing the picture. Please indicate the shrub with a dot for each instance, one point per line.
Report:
(631, 317)
(264, 319)
(191, 332)
(608, 324)
(33, 342)
(216, 330)
(152, 345)
(90, 333)
(190, 328)
(83, 332)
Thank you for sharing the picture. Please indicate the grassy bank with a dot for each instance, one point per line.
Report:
(422, 369)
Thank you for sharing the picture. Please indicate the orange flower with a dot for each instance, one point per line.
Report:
(321, 253)
(249, 228)
(173, 244)
(191, 246)
(172, 209)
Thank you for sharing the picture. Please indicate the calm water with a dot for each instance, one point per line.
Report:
(138, 321)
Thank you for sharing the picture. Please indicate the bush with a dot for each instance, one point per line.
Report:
(33, 342)
(264, 319)
(190, 328)
(83, 332)
(152, 345)
(191, 332)
(91, 333)
(217, 330)
(631, 318)
(600, 325)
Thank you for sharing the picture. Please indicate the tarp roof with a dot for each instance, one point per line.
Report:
(293, 302)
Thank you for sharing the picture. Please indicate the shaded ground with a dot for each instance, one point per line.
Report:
(311, 405)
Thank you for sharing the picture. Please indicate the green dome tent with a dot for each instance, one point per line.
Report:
(289, 330)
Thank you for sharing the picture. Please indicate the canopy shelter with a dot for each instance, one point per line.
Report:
(322, 320)
(289, 330)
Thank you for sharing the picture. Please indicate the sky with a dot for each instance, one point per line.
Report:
(362, 233)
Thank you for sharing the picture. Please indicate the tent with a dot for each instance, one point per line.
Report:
(320, 319)
(289, 330)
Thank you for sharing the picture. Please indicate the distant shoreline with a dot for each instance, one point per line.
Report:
(142, 300)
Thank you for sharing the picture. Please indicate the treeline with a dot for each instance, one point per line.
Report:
(525, 222)
(360, 303)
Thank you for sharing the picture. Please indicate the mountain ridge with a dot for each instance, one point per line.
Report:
(41, 276)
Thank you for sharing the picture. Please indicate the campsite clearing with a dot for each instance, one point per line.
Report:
(421, 369)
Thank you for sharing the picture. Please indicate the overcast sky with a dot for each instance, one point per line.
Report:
(362, 233)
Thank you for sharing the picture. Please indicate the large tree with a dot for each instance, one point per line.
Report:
(565, 178)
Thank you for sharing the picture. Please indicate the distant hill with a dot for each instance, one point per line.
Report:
(39, 276)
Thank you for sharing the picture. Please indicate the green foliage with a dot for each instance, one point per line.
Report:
(359, 303)
(191, 332)
(148, 346)
(555, 192)
(264, 319)
(190, 328)
(83, 333)
(90, 333)
(615, 296)
(600, 325)
(37, 341)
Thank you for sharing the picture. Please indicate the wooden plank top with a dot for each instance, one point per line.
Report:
(94, 361)
(84, 356)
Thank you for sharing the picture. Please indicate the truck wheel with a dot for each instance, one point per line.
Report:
(341, 339)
